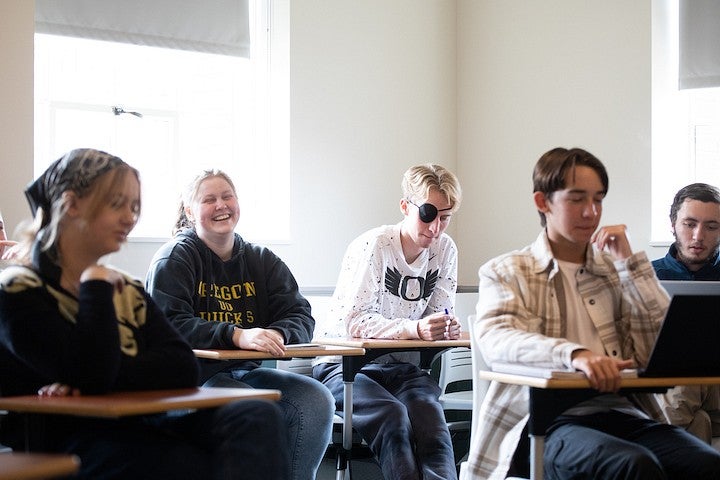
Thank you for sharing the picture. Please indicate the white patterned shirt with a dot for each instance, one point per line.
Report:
(380, 295)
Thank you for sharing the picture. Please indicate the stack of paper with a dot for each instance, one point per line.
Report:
(547, 372)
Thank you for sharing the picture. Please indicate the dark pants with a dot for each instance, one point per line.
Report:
(616, 446)
(396, 411)
(244, 439)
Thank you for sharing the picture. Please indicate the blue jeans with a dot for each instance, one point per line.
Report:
(237, 440)
(616, 446)
(307, 406)
(396, 411)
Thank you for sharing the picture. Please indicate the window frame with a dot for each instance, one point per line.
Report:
(676, 121)
(268, 172)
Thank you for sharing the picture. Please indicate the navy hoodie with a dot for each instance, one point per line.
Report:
(205, 297)
(669, 268)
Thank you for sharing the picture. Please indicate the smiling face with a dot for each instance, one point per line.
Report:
(573, 213)
(214, 209)
(697, 232)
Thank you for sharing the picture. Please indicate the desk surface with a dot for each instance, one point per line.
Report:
(296, 352)
(578, 383)
(29, 466)
(463, 341)
(121, 404)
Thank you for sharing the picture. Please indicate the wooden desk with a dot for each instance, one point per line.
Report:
(120, 404)
(317, 349)
(32, 466)
(374, 348)
(395, 345)
(550, 397)
(295, 352)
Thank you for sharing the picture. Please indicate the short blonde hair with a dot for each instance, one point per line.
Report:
(420, 179)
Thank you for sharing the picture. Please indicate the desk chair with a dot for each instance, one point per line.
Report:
(3, 448)
(30, 466)
(37, 466)
(303, 366)
(453, 371)
(455, 379)
(480, 388)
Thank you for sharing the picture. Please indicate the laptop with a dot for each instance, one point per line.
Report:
(688, 344)
(683, 287)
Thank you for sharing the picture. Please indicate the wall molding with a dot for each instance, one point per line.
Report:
(327, 291)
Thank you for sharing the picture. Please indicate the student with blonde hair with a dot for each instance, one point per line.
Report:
(398, 282)
(70, 325)
(220, 291)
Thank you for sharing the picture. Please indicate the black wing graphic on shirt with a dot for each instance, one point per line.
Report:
(430, 282)
(392, 281)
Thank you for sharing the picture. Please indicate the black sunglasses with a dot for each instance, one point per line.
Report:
(428, 212)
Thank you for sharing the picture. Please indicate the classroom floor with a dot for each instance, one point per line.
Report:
(364, 466)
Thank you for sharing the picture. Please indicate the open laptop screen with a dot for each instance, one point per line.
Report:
(688, 344)
(684, 287)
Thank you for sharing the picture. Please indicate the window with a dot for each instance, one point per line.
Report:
(172, 113)
(685, 125)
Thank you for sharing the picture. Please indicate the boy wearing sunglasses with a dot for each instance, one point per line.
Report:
(399, 282)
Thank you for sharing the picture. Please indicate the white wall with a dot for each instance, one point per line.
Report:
(481, 86)
(372, 91)
(535, 74)
(17, 22)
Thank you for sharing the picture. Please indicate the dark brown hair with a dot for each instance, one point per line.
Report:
(550, 172)
(702, 192)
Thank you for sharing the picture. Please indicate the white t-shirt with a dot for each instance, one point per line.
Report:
(580, 329)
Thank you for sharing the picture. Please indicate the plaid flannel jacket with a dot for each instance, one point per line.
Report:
(520, 318)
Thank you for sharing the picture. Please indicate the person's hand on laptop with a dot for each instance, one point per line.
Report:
(602, 372)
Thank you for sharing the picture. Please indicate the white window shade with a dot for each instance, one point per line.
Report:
(699, 52)
(211, 26)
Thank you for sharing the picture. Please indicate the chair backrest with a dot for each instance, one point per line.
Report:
(455, 367)
(301, 366)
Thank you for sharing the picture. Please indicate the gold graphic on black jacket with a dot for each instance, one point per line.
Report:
(230, 302)
(130, 305)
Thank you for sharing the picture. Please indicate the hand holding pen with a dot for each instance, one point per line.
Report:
(439, 326)
(453, 328)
